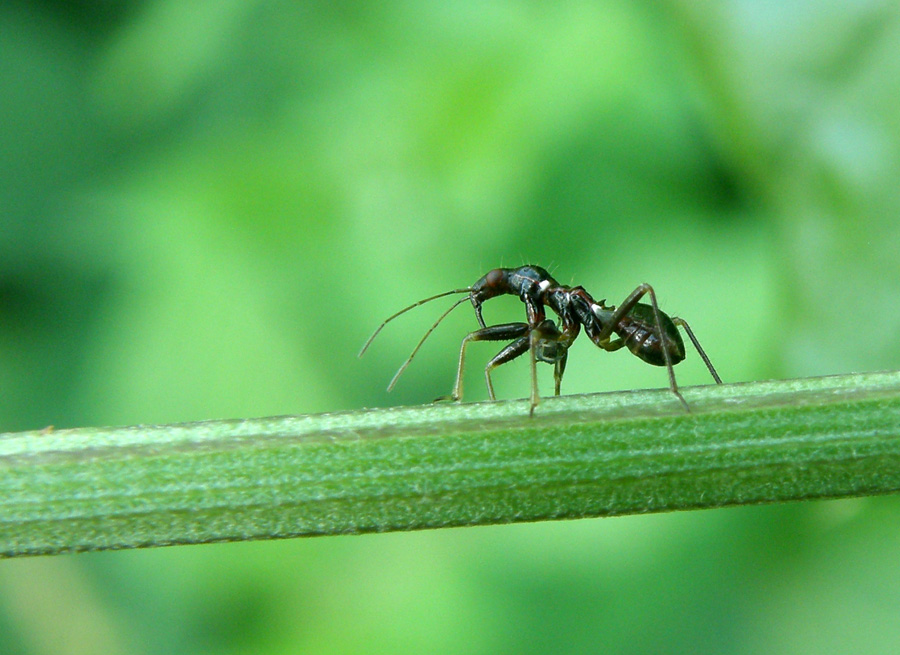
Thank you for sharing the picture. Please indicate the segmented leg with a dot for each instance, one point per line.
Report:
(626, 307)
(503, 332)
(690, 333)
(548, 344)
(544, 342)
(509, 353)
(558, 369)
(620, 313)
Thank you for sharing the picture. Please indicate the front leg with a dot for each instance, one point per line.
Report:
(509, 353)
(503, 332)
(547, 344)
(534, 311)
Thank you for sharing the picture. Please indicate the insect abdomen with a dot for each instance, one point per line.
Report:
(641, 338)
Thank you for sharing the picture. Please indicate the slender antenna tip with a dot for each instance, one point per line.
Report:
(406, 309)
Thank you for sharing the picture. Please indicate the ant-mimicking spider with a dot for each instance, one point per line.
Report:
(647, 332)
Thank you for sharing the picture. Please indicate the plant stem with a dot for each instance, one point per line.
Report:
(448, 465)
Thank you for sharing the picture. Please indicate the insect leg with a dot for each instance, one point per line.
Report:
(558, 369)
(612, 346)
(509, 353)
(554, 348)
(690, 333)
(620, 313)
(503, 332)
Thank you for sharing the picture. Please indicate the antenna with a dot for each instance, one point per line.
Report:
(419, 345)
(413, 306)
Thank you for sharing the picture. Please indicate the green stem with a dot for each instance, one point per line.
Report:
(449, 465)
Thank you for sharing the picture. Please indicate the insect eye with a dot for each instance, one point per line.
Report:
(494, 278)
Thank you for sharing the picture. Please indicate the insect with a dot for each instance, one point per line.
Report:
(647, 332)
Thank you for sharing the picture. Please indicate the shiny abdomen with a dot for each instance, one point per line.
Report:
(637, 330)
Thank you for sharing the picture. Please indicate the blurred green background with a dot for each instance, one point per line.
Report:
(205, 208)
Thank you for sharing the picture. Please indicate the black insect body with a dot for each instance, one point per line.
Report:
(530, 283)
(647, 332)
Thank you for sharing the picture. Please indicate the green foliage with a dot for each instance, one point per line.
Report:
(206, 208)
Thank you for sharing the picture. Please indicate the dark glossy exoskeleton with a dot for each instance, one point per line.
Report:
(530, 283)
(647, 332)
